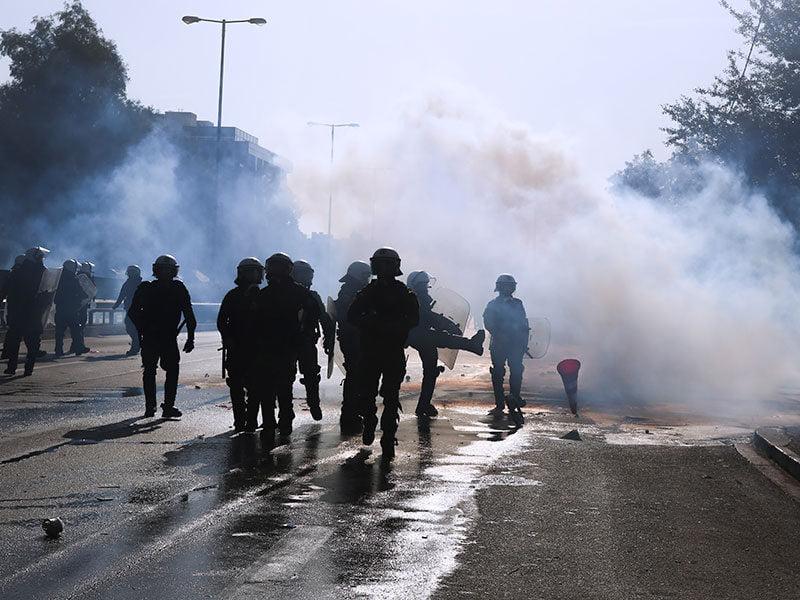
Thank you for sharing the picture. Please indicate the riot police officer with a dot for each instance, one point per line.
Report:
(125, 298)
(156, 311)
(27, 307)
(357, 277)
(235, 323)
(85, 272)
(284, 312)
(507, 322)
(307, 360)
(4, 296)
(433, 332)
(68, 305)
(384, 312)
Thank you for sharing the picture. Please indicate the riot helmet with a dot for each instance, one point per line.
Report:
(303, 273)
(133, 271)
(386, 262)
(419, 280)
(165, 267)
(250, 270)
(358, 272)
(36, 254)
(278, 266)
(505, 284)
(70, 266)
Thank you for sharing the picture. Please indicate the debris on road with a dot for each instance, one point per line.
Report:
(53, 527)
(572, 435)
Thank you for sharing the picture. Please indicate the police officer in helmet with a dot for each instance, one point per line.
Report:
(307, 359)
(235, 322)
(156, 312)
(353, 281)
(383, 312)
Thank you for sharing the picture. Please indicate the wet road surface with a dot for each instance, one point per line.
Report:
(646, 506)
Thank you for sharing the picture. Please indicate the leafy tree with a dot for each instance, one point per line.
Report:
(748, 117)
(64, 113)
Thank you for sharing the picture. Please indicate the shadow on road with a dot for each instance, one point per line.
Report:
(115, 431)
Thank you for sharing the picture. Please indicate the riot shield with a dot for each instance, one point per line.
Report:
(455, 307)
(45, 295)
(538, 337)
(331, 309)
(88, 287)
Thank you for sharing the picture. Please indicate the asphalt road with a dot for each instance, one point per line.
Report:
(654, 502)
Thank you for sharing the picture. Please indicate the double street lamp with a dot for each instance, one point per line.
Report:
(191, 20)
(333, 127)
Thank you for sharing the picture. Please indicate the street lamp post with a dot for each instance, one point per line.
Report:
(333, 127)
(190, 20)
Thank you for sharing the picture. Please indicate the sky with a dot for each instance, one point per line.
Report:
(592, 74)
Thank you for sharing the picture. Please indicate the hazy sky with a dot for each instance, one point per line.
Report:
(594, 73)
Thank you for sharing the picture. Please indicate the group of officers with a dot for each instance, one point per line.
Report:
(271, 332)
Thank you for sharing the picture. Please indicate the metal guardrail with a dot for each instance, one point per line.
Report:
(102, 312)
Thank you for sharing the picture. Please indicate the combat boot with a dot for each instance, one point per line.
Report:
(170, 412)
(368, 433)
(388, 443)
(476, 342)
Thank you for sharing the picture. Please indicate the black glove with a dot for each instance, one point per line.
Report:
(189, 345)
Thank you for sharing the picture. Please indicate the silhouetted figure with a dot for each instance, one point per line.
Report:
(125, 299)
(433, 332)
(69, 296)
(285, 311)
(86, 280)
(156, 311)
(357, 277)
(384, 312)
(4, 291)
(236, 323)
(505, 319)
(27, 307)
(307, 359)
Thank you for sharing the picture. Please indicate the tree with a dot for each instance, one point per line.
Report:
(748, 117)
(64, 113)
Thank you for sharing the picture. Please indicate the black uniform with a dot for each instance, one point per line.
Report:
(125, 298)
(156, 312)
(68, 305)
(350, 344)
(384, 312)
(26, 308)
(285, 311)
(236, 322)
(307, 359)
(433, 332)
(505, 319)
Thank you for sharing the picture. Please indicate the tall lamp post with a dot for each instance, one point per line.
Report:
(333, 127)
(191, 20)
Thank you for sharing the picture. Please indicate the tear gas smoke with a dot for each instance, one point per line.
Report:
(694, 300)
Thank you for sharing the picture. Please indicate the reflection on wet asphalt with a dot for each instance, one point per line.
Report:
(318, 516)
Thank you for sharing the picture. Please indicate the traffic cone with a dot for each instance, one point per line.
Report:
(568, 369)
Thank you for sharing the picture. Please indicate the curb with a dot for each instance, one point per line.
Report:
(772, 441)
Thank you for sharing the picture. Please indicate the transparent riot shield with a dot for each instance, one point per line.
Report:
(338, 357)
(88, 287)
(45, 295)
(538, 337)
(455, 307)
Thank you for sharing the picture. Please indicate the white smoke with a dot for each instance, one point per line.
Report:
(694, 301)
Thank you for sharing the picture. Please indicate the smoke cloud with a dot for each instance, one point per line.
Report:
(692, 300)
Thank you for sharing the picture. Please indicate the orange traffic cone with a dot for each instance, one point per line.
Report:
(568, 369)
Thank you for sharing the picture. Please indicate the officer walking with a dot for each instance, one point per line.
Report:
(27, 308)
(357, 277)
(125, 299)
(384, 312)
(156, 311)
(307, 359)
(85, 272)
(235, 322)
(507, 322)
(68, 305)
(4, 296)
(285, 310)
(433, 332)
